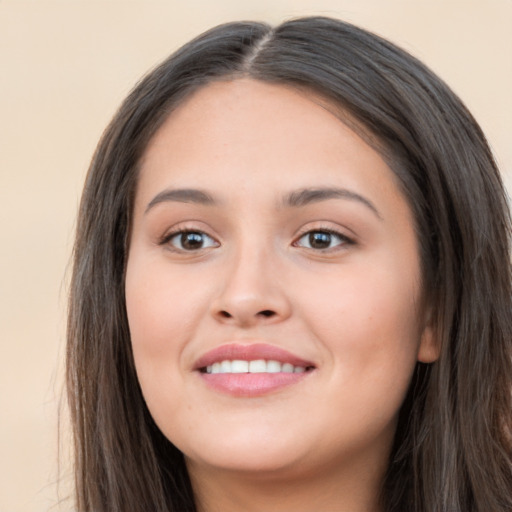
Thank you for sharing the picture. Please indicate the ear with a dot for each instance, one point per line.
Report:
(429, 347)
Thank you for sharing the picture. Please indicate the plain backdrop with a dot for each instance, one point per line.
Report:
(64, 68)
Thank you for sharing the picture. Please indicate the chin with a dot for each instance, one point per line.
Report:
(251, 464)
(250, 453)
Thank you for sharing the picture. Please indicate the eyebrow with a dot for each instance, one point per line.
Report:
(307, 196)
(294, 199)
(182, 195)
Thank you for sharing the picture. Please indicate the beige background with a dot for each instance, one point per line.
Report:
(64, 67)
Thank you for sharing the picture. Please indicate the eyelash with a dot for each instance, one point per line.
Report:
(167, 239)
(343, 239)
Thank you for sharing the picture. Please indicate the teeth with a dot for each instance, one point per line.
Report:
(256, 366)
(239, 366)
(287, 368)
(225, 367)
(273, 366)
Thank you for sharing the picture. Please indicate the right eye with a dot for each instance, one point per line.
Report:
(187, 240)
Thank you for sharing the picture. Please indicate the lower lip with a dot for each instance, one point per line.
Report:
(251, 384)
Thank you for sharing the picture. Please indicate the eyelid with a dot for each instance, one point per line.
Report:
(345, 239)
(180, 229)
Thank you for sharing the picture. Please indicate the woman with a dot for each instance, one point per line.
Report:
(291, 286)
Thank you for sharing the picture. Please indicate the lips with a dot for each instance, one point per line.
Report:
(251, 370)
(253, 352)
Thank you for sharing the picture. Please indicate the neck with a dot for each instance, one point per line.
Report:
(355, 489)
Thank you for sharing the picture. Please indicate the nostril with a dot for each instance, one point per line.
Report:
(264, 313)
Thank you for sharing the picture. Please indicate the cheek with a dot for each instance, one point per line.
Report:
(364, 298)
(161, 322)
(162, 319)
(161, 309)
(368, 320)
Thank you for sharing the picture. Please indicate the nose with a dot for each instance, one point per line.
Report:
(251, 292)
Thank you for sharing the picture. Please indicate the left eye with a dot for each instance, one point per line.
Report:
(321, 240)
(191, 240)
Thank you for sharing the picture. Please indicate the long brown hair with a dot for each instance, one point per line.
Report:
(452, 450)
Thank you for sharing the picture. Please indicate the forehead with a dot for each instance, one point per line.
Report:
(249, 134)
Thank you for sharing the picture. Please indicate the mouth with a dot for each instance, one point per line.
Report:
(253, 366)
(251, 370)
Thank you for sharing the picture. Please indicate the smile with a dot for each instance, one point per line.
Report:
(254, 366)
(251, 370)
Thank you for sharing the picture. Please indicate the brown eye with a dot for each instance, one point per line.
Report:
(319, 240)
(191, 240)
(322, 239)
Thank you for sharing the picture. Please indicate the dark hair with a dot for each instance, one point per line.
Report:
(452, 450)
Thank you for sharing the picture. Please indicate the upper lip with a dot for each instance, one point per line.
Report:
(251, 352)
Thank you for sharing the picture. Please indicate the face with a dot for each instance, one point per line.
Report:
(273, 285)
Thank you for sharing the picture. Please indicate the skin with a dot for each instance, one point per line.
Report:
(350, 306)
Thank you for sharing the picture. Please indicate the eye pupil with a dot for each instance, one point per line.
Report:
(319, 240)
(192, 240)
